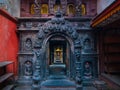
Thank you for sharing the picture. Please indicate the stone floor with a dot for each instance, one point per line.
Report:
(29, 88)
(89, 88)
(25, 87)
(22, 88)
(79, 87)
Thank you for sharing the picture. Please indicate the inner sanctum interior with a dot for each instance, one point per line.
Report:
(57, 51)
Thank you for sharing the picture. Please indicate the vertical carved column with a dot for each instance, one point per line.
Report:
(78, 62)
(36, 75)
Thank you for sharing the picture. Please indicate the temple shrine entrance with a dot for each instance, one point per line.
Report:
(55, 44)
(57, 52)
(59, 63)
(59, 55)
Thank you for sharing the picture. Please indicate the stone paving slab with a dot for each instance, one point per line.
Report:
(89, 88)
(58, 88)
(29, 88)
(22, 87)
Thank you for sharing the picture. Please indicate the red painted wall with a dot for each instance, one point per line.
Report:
(8, 40)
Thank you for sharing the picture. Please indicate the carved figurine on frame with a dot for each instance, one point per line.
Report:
(28, 68)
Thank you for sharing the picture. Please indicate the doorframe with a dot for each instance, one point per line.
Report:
(71, 65)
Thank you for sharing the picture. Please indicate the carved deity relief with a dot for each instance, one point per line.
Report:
(78, 7)
(70, 9)
(87, 44)
(87, 70)
(28, 44)
(35, 7)
(28, 68)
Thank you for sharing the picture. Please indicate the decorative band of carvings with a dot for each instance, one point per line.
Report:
(106, 14)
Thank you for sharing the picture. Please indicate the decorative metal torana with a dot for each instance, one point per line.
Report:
(61, 27)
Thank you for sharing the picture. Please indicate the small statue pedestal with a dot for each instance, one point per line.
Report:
(57, 79)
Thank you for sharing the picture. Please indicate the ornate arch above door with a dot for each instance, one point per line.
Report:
(56, 25)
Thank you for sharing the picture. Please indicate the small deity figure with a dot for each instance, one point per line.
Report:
(78, 7)
(87, 44)
(36, 7)
(28, 44)
(87, 71)
(28, 68)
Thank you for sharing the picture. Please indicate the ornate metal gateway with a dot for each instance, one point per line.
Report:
(58, 42)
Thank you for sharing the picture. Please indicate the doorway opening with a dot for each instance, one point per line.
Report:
(57, 52)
